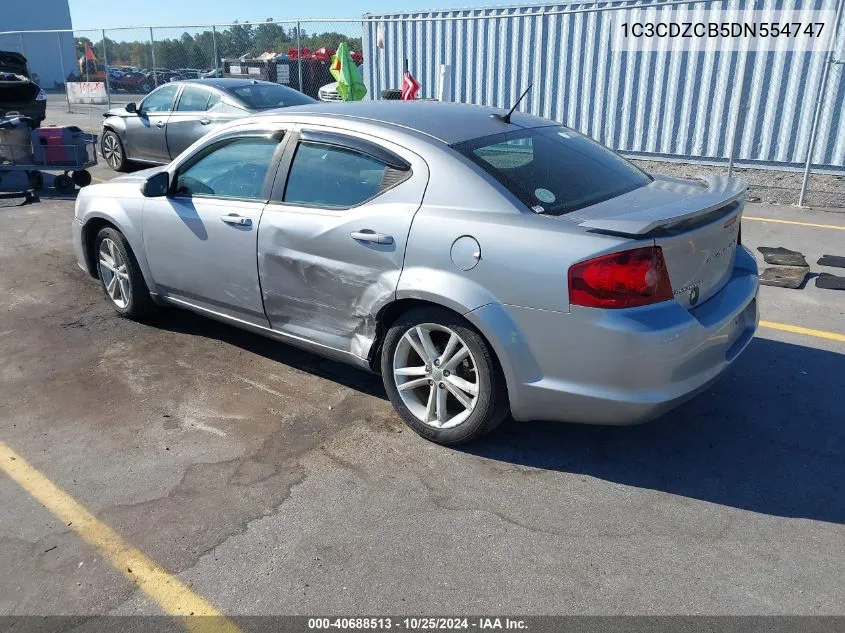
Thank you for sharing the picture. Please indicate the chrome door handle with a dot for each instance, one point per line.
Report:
(371, 236)
(159, 123)
(236, 220)
(205, 121)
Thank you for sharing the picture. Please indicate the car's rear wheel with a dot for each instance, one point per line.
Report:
(442, 377)
(121, 276)
(113, 152)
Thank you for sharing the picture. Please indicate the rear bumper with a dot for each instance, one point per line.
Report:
(623, 367)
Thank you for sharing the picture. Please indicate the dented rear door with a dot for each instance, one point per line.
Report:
(332, 241)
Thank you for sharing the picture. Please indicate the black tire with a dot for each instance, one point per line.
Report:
(140, 304)
(63, 183)
(82, 178)
(491, 406)
(113, 151)
(146, 87)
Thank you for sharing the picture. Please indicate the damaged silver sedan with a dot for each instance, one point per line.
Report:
(481, 262)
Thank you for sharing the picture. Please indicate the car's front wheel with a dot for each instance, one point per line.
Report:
(442, 377)
(113, 152)
(121, 276)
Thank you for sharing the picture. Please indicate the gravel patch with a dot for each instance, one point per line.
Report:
(764, 185)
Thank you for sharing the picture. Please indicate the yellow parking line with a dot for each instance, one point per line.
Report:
(810, 224)
(795, 329)
(166, 590)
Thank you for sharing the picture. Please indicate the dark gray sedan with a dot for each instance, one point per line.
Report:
(174, 115)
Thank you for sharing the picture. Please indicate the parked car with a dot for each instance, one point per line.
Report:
(479, 264)
(328, 92)
(18, 92)
(173, 116)
(132, 81)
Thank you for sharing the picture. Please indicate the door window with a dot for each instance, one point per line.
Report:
(331, 176)
(213, 100)
(160, 100)
(231, 169)
(192, 99)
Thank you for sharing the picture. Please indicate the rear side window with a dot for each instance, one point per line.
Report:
(192, 99)
(213, 100)
(329, 176)
(553, 169)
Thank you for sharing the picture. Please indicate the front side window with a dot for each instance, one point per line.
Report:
(330, 176)
(192, 99)
(160, 100)
(232, 169)
(554, 169)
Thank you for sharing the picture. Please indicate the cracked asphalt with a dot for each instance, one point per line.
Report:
(271, 481)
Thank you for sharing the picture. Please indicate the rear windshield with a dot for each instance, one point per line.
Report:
(554, 169)
(268, 96)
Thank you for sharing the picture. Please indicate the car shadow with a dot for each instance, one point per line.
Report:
(769, 437)
(186, 322)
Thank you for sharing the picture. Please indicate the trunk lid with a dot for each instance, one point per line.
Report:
(13, 63)
(696, 223)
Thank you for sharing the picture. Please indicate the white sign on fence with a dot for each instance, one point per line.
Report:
(283, 74)
(90, 92)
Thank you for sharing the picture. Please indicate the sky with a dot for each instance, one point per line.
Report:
(90, 14)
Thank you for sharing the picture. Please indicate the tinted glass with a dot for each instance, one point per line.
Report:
(553, 169)
(160, 100)
(267, 96)
(193, 99)
(329, 176)
(233, 169)
(213, 100)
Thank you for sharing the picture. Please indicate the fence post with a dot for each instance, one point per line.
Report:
(106, 69)
(740, 107)
(817, 114)
(153, 57)
(214, 45)
(62, 64)
(299, 55)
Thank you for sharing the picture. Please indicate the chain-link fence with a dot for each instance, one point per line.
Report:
(774, 116)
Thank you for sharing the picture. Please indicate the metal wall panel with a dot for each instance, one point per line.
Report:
(682, 105)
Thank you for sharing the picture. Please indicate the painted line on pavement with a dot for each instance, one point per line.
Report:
(795, 329)
(162, 587)
(810, 224)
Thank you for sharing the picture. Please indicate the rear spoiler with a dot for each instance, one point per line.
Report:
(720, 191)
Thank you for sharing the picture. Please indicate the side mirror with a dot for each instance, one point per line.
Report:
(156, 185)
(131, 107)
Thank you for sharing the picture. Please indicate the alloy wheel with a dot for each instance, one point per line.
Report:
(436, 375)
(112, 151)
(114, 273)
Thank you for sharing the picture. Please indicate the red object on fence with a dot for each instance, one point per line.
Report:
(410, 87)
(89, 53)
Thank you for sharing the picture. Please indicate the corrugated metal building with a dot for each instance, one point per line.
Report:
(44, 51)
(680, 105)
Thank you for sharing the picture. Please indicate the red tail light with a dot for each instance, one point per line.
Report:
(621, 280)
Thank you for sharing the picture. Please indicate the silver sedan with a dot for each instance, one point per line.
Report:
(176, 114)
(481, 264)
